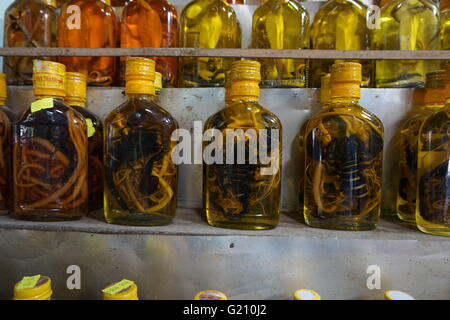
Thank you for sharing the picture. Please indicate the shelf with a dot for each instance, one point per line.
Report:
(243, 53)
(188, 222)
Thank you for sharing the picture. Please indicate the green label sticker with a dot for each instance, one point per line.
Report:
(28, 282)
(38, 105)
(90, 126)
(119, 286)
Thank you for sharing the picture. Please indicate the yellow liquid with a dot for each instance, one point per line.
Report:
(433, 197)
(406, 25)
(238, 196)
(343, 164)
(282, 24)
(207, 24)
(339, 25)
(407, 185)
(445, 34)
(140, 176)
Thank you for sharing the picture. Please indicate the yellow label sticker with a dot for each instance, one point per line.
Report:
(38, 105)
(90, 127)
(28, 282)
(119, 286)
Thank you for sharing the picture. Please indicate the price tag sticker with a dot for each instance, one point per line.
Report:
(28, 282)
(38, 105)
(90, 127)
(118, 287)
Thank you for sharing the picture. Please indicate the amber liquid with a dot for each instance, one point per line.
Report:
(32, 24)
(433, 197)
(239, 196)
(152, 24)
(140, 176)
(95, 160)
(50, 164)
(5, 160)
(407, 188)
(89, 24)
(343, 165)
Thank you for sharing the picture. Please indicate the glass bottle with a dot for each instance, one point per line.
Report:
(282, 24)
(344, 156)
(435, 97)
(241, 182)
(154, 24)
(76, 98)
(406, 25)
(340, 25)
(31, 24)
(122, 290)
(89, 24)
(50, 152)
(207, 24)
(33, 288)
(140, 175)
(433, 194)
(5, 149)
(445, 28)
(325, 98)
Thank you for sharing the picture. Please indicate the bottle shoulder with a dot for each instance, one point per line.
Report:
(57, 115)
(349, 110)
(195, 8)
(138, 111)
(87, 114)
(438, 122)
(240, 114)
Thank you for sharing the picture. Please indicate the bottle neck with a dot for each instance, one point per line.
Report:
(140, 96)
(2, 102)
(244, 90)
(40, 97)
(344, 100)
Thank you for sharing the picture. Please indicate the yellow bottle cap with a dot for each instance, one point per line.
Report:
(49, 79)
(3, 92)
(158, 81)
(325, 89)
(108, 2)
(305, 294)
(122, 290)
(436, 91)
(140, 76)
(346, 80)
(76, 88)
(245, 76)
(397, 295)
(210, 295)
(33, 288)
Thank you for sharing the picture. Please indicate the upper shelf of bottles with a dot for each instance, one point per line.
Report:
(243, 53)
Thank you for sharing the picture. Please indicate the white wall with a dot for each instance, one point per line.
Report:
(3, 5)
